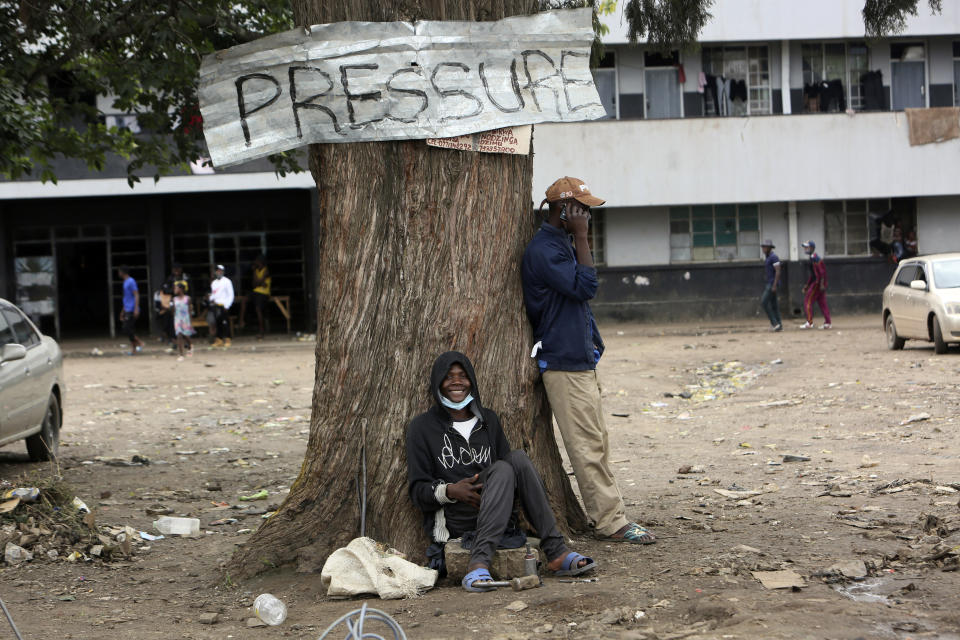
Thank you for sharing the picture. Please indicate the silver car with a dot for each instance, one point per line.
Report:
(31, 385)
(922, 302)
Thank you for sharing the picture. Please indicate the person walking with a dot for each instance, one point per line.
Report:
(558, 282)
(221, 298)
(261, 290)
(131, 310)
(768, 300)
(816, 287)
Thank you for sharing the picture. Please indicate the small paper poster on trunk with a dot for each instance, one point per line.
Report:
(515, 140)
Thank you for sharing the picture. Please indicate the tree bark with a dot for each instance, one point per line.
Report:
(420, 252)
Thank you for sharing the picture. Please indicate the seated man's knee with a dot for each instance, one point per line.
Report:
(519, 460)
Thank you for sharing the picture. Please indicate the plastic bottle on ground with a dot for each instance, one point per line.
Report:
(270, 609)
(170, 526)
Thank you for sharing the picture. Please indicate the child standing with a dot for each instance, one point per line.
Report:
(181, 320)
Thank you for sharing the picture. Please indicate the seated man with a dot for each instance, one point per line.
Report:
(464, 477)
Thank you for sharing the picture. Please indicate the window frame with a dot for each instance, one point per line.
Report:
(956, 73)
(848, 70)
(598, 236)
(691, 215)
(845, 214)
(614, 70)
(707, 66)
(25, 321)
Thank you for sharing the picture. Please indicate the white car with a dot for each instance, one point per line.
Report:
(31, 385)
(922, 302)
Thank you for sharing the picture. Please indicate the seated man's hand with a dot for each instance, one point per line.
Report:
(467, 490)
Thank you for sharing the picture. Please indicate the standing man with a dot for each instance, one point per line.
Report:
(131, 310)
(769, 298)
(261, 290)
(816, 287)
(221, 298)
(557, 283)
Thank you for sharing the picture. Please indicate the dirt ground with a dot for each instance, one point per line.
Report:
(876, 497)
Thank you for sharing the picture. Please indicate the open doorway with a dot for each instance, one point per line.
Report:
(82, 288)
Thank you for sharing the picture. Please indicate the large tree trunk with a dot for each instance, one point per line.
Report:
(420, 253)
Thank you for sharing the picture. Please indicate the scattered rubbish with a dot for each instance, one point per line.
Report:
(685, 469)
(944, 490)
(620, 415)
(795, 458)
(26, 494)
(96, 352)
(80, 505)
(259, 495)
(866, 462)
(365, 566)
(170, 526)
(864, 591)
(516, 606)
(659, 405)
(918, 417)
(615, 616)
(253, 623)
(778, 403)
(787, 579)
(270, 609)
(148, 537)
(902, 484)
(179, 410)
(742, 548)
(15, 554)
(158, 510)
(579, 580)
(777, 361)
(740, 494)
(9, 505)
(73, 557)
(223, 521)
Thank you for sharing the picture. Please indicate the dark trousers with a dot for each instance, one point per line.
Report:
(769, 303)
(128, 325)
(222, 315)
(502, 481)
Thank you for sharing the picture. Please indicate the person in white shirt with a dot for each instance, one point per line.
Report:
(221, 298)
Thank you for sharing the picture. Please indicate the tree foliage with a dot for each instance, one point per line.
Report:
(57, 56)
(885, 17)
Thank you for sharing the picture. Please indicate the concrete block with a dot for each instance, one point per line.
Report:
(507, 563)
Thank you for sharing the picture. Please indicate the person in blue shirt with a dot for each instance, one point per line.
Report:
(768, 300)
(131, 310)
(558, 282)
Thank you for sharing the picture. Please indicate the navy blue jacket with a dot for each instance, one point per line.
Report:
(555, 292)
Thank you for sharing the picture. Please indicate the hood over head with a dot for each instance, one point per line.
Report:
(440, 368)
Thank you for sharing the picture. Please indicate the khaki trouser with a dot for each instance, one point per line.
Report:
(575, 400)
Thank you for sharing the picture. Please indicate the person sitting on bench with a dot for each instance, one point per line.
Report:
(464, 477)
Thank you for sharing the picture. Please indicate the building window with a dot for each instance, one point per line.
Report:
(824, 65)
(605, 78)
(745, 77)
(846, 225)
(956, 74)
(714, 232)
(598, 231)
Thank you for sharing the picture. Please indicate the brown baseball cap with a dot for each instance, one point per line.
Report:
(567, 187)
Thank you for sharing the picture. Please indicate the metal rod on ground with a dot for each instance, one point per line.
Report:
(16, 632)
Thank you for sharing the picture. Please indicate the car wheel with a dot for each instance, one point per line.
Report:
(46, 444)
(894, 342)
(939, 346)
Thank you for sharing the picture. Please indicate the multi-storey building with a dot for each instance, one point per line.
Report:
(784, 123)
(806, 139)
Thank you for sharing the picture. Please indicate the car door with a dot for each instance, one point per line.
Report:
(920, 304)
(900, 299)
(13, 394)
(37, 366)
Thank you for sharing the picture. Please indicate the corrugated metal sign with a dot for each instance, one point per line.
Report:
(374, 81)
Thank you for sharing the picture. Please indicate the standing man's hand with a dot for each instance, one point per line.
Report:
(467, 490)
(578, 219)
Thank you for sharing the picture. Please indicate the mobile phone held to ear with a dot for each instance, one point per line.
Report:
(563, 212)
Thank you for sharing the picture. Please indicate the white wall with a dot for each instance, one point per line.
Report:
(810, 225)
(746, 20)
(636, 235)
(773, 226)
(938, 224)
(759, 159)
